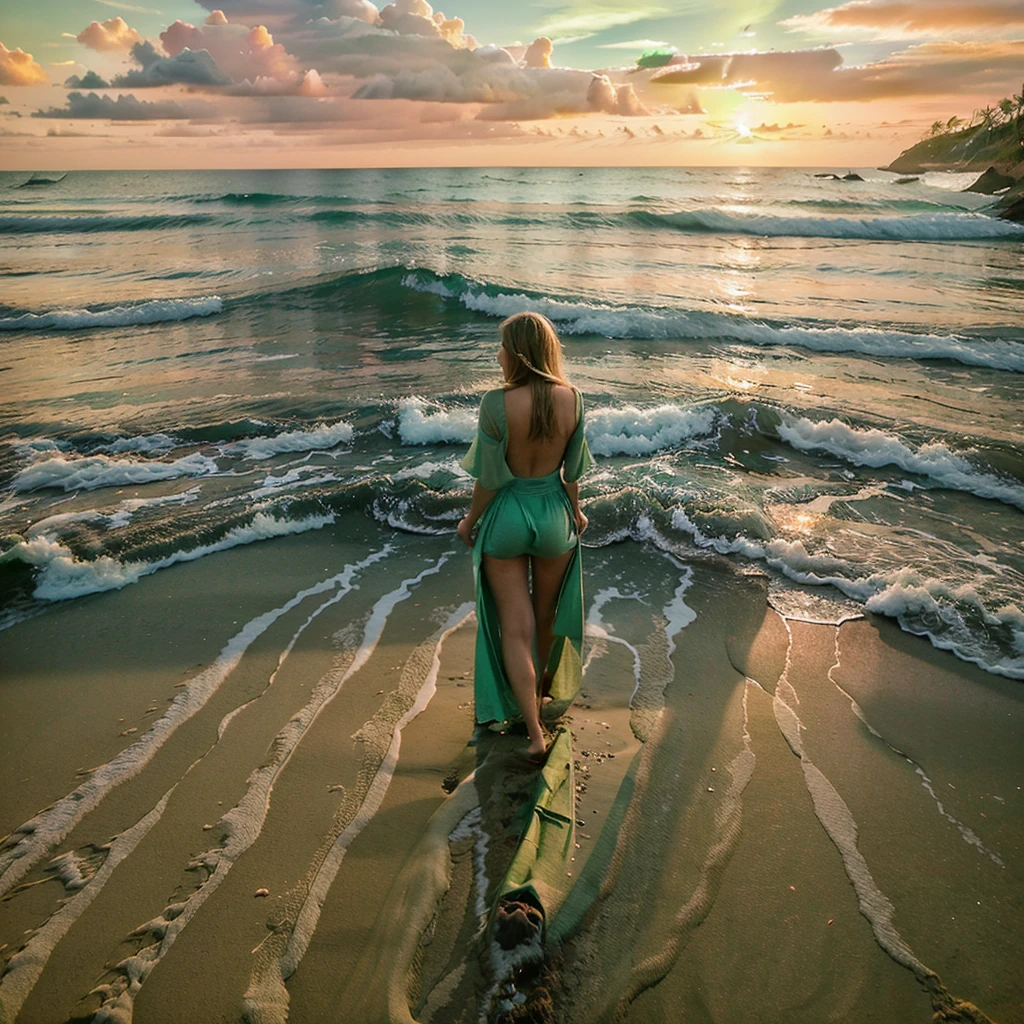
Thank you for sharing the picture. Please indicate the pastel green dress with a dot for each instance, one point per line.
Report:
(528, 515)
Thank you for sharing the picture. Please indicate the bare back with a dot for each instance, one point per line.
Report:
(530, 457)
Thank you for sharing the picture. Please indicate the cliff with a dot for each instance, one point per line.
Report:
(977, 148)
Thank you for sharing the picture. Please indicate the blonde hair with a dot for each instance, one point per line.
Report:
(536, 359)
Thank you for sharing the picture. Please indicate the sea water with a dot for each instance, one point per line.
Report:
(819, 380)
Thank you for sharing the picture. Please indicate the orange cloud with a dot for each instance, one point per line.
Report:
(930, 69)
(914, 18)
(113, 34)
(18, 68)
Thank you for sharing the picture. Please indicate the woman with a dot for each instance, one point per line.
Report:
(528, 454)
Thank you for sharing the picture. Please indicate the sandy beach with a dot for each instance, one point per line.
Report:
(228, 801)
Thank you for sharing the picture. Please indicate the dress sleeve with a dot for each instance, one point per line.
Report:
(486, 456)
(577, 455)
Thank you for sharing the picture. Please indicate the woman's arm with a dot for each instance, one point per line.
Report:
(572, 489)
(481, 499)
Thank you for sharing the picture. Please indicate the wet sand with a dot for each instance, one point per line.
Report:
(774, 820)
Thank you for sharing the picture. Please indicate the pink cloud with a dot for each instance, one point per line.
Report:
(240, 52)
(909, 17)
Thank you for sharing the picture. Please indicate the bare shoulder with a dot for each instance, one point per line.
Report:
(565, 401)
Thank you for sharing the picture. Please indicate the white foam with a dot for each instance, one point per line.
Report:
(155, 311)
(875, 448)
(290, 481)
(421, 422)
(25, 967)
(631, 431)
(426, 470)
(834, 815)
(50, 826)
(599, 629)
(93, 471)
(322, 436)
(903, 594)
(62, 575)
(146, 443)
(120, 517)
(678, 614)
(634, 322)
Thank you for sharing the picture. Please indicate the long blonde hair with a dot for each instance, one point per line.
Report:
(536, 359)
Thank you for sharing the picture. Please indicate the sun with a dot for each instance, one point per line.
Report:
(743, 130)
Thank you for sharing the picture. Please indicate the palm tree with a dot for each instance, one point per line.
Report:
(937, 128)
(988, 118)
(954, 123)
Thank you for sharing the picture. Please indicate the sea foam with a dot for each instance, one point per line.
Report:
(875, 448)
(953, 617)
(155, 311)
(630, 322)
(420, 422)
(95, 471)
(322, 436)
(632, 431)
(61, 575)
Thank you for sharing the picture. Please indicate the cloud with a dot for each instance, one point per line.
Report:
(762, 71)
(581, 22)
(108, 36)
(635, 44)
(136, 8)
(930, 69)
(186, 68)
(604, 96)
(903, 18)
(238, 52)
(538, 53)
(309, 84)
(18, 68)
(90, 80)
(125, 108)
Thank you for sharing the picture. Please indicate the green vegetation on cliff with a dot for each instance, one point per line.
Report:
(993, 137)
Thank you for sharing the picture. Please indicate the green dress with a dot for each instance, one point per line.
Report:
(528, 515)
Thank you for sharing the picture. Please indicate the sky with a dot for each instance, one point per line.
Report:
(335, 83)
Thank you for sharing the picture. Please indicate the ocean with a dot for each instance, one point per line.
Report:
(816, 380)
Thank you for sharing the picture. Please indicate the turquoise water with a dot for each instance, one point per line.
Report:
(818, 380)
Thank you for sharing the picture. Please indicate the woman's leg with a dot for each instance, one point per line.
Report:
(548, 574)
(507, 579)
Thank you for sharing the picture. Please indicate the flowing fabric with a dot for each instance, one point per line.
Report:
(539, 504)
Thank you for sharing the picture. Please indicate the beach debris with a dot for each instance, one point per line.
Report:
(128, 732)
(266, 892)
(711, 789)
(337, 788)
(831, 919)
(206, 828)
(792, 888)
(714, 769)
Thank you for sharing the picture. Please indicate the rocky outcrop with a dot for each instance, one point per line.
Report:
(991, 182)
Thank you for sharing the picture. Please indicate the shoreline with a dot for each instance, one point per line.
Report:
(709, 816)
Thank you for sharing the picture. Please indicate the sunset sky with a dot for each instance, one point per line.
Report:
(288, 83)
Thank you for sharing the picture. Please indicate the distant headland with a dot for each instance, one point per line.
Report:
(990, 142)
